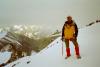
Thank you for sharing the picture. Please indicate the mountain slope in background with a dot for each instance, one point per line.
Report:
(21, 41)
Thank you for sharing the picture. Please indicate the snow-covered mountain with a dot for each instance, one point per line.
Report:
(51, 56)
(21, 41)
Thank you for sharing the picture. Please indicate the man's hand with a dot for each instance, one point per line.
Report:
(62, 38)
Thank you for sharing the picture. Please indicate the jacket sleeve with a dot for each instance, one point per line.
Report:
(63, 30)
(76, 30)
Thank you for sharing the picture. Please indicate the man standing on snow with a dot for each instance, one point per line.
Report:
(69, 33)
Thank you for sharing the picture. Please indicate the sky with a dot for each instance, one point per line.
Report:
(48, 13)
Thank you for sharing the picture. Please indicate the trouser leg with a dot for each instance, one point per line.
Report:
(76, 47)
(67, 48)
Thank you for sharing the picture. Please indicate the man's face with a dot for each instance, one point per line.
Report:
(69, 19)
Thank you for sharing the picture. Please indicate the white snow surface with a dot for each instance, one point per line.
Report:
(4, 56)
(51, 56)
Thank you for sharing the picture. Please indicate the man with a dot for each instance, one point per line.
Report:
(69, 33)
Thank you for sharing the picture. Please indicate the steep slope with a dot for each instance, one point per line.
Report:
(21, 45)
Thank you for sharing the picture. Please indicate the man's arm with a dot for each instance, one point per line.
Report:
(63, 30)
(76, 30)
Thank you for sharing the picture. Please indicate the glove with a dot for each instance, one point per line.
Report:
(62, 38)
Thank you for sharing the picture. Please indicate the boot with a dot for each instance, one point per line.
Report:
(67, 53)
(77, 52)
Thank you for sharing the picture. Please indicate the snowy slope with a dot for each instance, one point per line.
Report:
(52, 57)
(4, 56)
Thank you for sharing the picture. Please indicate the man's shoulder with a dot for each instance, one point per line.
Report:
(74, 23)
(66, 22)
